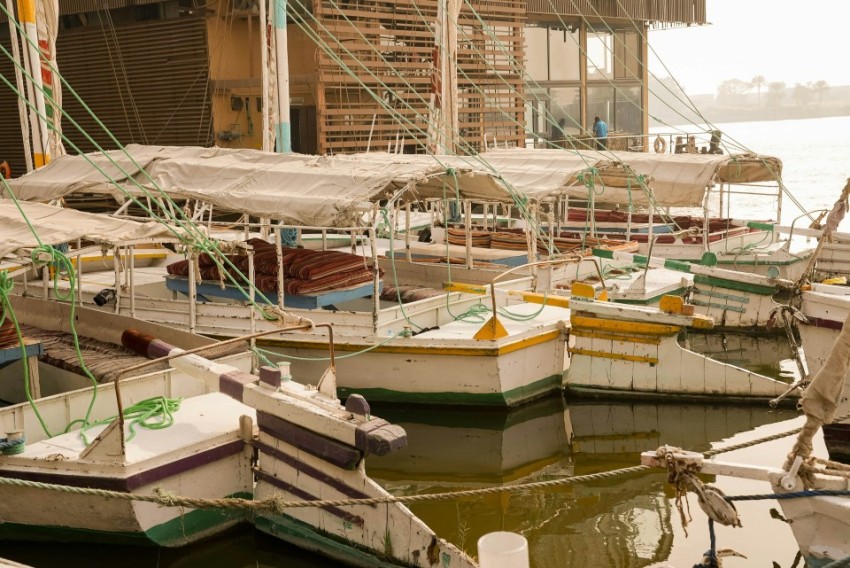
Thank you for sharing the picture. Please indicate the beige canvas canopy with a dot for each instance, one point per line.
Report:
(55, 225)
(337, 190)
(307, 190)
(676, 180)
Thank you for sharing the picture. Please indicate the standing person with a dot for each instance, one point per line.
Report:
(600, 132)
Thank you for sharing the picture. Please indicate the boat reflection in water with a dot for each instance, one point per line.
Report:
(618, 522)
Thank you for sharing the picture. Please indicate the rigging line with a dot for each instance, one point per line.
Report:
(397, 74)
(696, 110)
(204, 243)
(106, 39)
(521, 69)
(641, 181)
(192, 230)
(61, 263)
(321, 43)
(518, 198)
(124, 75)
(201, 73)
(645, 38)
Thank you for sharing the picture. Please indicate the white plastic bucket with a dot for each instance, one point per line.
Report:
(503, 549)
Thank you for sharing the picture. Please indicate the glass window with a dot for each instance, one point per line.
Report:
(563, 55)
(565, 109)
(600, 47)
(553, 114)
(536, 60)
(628, 116)
(600, 102)
(627, 56)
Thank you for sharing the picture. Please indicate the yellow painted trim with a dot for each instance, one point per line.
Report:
(538, 298)
(582, 290)
(137, 256)
(671, 304)
(616, 337)
(702, 322)
(491, 330)
(466, 288)
(26, 13)
(416, 349)
(617, 356)
(624, 326)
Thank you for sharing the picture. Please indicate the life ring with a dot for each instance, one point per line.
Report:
(5, 169)
(660, 145)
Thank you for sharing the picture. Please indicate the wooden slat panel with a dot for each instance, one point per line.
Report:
(656, 11)
(148, 83)
(402, 72)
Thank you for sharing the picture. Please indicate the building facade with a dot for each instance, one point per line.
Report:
(364, 74)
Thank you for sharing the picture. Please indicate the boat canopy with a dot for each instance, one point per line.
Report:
(55, 225)
(676, 180)
(337, 190)
(306, 190)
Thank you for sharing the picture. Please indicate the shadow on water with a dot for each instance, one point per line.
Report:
(621, 522)
(240, 548)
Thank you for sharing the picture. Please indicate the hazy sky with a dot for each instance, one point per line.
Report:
(783, 40)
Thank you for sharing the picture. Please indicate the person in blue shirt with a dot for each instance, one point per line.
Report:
(600, 132)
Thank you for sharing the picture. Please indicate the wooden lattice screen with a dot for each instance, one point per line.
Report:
(350, 119)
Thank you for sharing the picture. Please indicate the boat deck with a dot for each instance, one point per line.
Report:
(199, 419)
(460, 329)
(104, 360)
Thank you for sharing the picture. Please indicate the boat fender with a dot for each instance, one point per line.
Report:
(660, 145)
(379, 437)
(5, 169)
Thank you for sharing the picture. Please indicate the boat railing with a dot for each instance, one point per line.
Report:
(135, 338)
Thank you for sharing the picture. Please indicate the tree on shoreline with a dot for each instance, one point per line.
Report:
(802, 94)
(758, 82)
(775, 94)
(819, 87)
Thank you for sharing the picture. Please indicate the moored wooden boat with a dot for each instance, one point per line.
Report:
(619, 350)
(308, 447)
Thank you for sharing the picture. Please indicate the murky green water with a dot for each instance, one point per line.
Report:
(623, 522)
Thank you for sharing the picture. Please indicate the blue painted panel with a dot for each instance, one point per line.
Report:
(320, 300)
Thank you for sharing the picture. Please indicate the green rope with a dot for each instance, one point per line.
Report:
(62, 264)
(155, 413)
(262, 353)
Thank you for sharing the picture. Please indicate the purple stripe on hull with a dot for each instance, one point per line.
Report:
(332, 451)
(824, 323)
(233, 384)
(309, 470)
(136, 480)
(301, 494)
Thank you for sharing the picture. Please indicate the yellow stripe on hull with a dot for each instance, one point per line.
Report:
(616, 356)
(418, 349)
(616, 337)
(624, 326)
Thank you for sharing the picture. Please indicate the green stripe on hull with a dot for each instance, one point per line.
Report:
(513, 397)
(765, 262)
(197, 524)
(309, 538)
(192, 526)
(734, 285)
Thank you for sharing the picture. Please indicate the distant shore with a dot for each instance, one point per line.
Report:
(725, 115)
